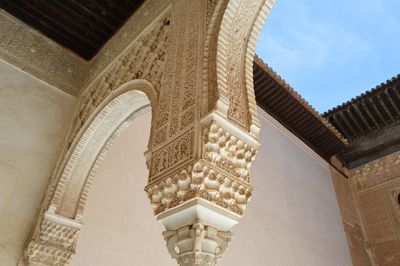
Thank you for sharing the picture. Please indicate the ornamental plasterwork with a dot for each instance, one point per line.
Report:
(227, 151)
(199, 162)
(376, 172)
(377, 185)
(133, 27)
(55, 244)
(234, 59)
(144, 59)
(203, 181)
(36, 54)
(55, 236)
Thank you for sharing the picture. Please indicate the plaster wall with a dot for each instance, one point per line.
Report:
(292, 219)
(33, 121)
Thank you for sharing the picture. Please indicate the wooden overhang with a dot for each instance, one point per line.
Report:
(371, 123)
(283, 103)
(83, 26)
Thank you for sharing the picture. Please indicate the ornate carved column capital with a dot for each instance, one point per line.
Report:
(196, 244)
(202, 200)
(55, 242)
(220, 174)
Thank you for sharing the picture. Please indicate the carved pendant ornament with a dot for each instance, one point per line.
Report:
(196, 244)
(204, 133)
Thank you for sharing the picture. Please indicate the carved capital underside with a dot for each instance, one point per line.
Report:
(220, 175)
(196, 244)
(212, 186)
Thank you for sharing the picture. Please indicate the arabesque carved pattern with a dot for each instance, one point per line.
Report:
(238, 98)
(377, 172)
(49, 61)
(376, 183)
(34, 53)
(172, 154)
(143, 60)
(124, 37)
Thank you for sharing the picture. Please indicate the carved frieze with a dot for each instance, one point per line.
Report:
(38, 55)
(32, 52)
(178, 151)
(376, 172)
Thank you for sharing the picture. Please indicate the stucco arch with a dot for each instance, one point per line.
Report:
(198, 56)
(229, 52)
(110, 118)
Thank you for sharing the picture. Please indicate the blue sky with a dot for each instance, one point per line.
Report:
(332, 50)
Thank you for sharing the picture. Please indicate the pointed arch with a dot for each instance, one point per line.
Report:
(93, 142)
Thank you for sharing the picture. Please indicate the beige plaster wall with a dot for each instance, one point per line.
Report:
(293, 218)
(33, 119)
(119, 225)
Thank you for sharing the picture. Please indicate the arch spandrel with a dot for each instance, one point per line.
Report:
(197, 59)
